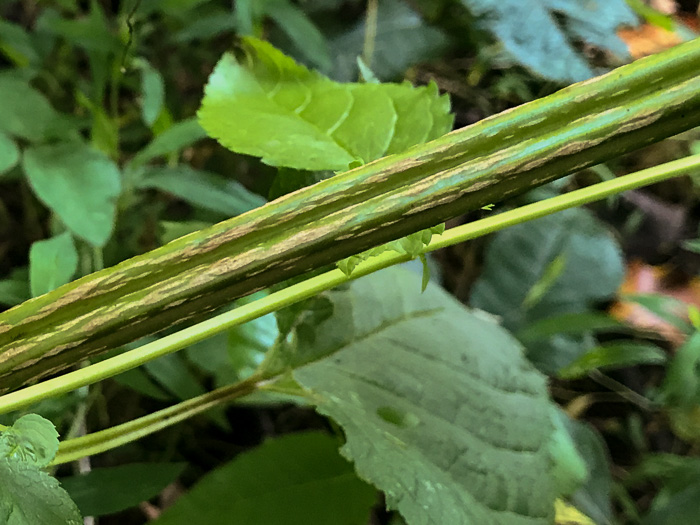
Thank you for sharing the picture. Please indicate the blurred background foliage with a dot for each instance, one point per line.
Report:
(102, 158)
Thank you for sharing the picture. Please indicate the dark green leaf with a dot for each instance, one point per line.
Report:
(90, 32)
(203, 189)
(178, 136)
(29, 496)
(31, 439)
(451, 432)
(17, 45)
(172, 373)
(403, 39)
(617, 354)
(108, 490)
(593, 498)
(302, 31)
(298, 479)
(79, 184)
(682, 384)
(15, 289)
(543, 34)
(575, 324)
(519, 257)
(52, 263)
(297, 118)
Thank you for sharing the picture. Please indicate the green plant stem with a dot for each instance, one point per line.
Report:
(118, 435)
(501, 156)
(370, 32)
(110, 438)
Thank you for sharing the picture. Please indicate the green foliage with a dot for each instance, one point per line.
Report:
(52, 262)
(613, 355)
(79, 183)
(447, 430)
(517, 260)
(296, 480)
(9, 154)
(108, 490)
(402, 40)
(532, 30)
(28, 495)
(299, 119)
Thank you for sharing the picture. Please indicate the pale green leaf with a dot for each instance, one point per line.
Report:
(31, 439)
(108, 490)
(152, 93)
(543, 35)
(25, 113)
(52, 263)
(271, 107)
(451, 430)
(29, 496)
(79, 183)
(299, 479)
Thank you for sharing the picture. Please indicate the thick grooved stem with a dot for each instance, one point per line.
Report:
(501, 156)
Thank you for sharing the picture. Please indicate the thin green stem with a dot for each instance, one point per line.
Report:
(370, 32)
(310, 287)
(116, 436)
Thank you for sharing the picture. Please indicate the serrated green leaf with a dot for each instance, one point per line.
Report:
(298, 479)
(519, 256)
(402, 40)
(108, 490)
(451, 432)
(9, 153)
(79, 183)
(31, 439)
(206, 190)
(542, 34)
(52, 263)
(29, 496)
(299, 119)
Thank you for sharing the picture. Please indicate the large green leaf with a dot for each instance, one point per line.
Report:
(269, 106)
(440, 409)
(77, 182)
(31, 439)
(298, 479)
(543, 35)
(402, 40)
(519, 259)
(108, 490)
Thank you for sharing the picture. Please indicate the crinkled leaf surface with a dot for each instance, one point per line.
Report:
(52, 263)
(543, 34)
(108, 490)
(79, 183)
(269, 106)
(29, 496)
(298, 479)
(31, 439)
(440, 409)
(402, 39)
(518, 258)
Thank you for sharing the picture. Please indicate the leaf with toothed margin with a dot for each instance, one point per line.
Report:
(439, 406)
